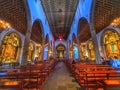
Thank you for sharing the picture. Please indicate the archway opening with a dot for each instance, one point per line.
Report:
(83, 35)
(37, 37)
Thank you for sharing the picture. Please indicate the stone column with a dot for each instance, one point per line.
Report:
(95, 43)
(93, 33)
(25, 48)
(28, 34)
(67, 51)
(54, 51)
(42, 53)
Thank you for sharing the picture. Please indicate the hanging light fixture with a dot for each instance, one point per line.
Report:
(116, 22)
(4, 25)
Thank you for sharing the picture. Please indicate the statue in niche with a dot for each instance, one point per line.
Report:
(83, 52)
(112, 47)
(91, 51)
(9, 47)
(30, 51)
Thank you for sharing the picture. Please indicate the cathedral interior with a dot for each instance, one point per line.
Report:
(40, 39)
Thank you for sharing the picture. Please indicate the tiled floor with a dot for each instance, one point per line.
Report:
(61, 79)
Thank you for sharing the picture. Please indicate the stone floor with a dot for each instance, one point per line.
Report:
(61, 79)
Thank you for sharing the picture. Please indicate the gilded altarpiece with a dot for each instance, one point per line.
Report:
(111, 42)
(9, 48)
(30, 51)
(83, 51)
(38, 53)
(91, 53)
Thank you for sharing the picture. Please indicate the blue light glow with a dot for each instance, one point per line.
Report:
(46, 53)
(76, 55)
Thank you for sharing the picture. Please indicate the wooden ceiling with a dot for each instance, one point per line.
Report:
(60, 15)
(104, 14)
(13, 12)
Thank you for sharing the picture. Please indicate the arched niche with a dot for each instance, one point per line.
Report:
(31, 50)
(10, 48)
(37, 35)
(83, 35)
(90, 49)
(61, 51)
(111, 43)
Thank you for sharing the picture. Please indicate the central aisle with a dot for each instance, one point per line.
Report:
(61, 79)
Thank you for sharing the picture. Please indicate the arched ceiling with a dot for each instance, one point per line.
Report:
(37, 32)
(105, 12)
(83, 30)
(60, 15)
(13, 12)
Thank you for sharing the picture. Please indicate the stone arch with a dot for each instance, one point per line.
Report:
(10, 48)
(83, 32)
(37, 36)
(37, 31)
(110, 42)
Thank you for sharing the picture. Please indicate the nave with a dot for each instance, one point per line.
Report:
(61, 79)
(35, 35)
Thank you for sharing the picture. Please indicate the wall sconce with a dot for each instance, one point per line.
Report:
(4, 25)
(116, 22)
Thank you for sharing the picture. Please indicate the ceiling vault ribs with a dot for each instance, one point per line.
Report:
(60, 15)
(66, 14)
(52, 16)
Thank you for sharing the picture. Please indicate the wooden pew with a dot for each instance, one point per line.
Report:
(93, 76)
(28, 76)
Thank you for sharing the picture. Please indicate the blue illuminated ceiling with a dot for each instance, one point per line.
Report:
(60, 14)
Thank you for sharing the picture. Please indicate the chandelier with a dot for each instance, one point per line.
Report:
(4, 25)
(116, 22)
